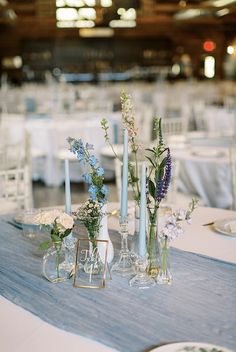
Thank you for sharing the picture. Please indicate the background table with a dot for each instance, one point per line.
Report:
(204, 167)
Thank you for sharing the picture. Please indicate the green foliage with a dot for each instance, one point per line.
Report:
(105, 127)
(151, 188)
(44, 245)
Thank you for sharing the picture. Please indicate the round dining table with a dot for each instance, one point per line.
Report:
(204, 167)
(37, 315)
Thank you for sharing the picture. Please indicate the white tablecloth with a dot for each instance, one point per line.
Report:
(205, 168)
(49, 146)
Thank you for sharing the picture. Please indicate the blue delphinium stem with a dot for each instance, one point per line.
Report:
(95, 178)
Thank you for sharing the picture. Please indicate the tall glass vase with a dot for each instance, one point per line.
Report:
(154, 252)
(69, 243)
(93, 262)
(164, 275)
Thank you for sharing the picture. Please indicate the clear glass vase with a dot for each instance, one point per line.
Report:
(164, 275)
(93, 264)
(70, 249)
(53, 263)
(154, 252)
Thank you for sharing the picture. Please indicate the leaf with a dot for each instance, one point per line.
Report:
(151, 161)
(150, 150)
(55, 238)
(163, 163)
(151, 188)
(44, 245)
(67, 232)
(159, 173)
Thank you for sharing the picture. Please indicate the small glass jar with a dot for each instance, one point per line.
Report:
(54, 268)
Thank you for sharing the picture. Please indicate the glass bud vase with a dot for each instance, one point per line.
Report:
(154, 251)
(164, 276)
(93, 264)
(53, 263)
(70, 244)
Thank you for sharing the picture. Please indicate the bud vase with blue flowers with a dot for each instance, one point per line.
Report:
(92, 212)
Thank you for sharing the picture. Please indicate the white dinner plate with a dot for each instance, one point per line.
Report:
(25, 217)
(190, 347)
(226, 226)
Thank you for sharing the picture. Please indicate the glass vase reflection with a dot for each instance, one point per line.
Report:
(53, 263)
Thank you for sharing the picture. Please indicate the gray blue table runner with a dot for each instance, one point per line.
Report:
(200, 305)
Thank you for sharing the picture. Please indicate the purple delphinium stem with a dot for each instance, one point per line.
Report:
(168, 171)
(162, 183)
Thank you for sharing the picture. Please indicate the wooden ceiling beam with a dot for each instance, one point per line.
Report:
(21, 8)
(176, 7)
(154, 19)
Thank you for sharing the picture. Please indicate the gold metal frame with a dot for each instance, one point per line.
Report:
(77, 260)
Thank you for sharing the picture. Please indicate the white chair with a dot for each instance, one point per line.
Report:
(15, 175)
(15, 190)
(144, 117)
(174, 126)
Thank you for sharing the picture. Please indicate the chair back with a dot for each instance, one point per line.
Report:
(13, 153)
(145, 117)
(174, 125)
(15, 188)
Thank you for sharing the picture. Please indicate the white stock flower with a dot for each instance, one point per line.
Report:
(47, 217)
(65, 220)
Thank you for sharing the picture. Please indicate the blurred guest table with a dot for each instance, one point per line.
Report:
(205, 167)
(49, 147)
(198, 306)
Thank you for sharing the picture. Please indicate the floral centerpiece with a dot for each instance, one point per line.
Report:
(59, 225)
(158, 175)
(91, 211)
